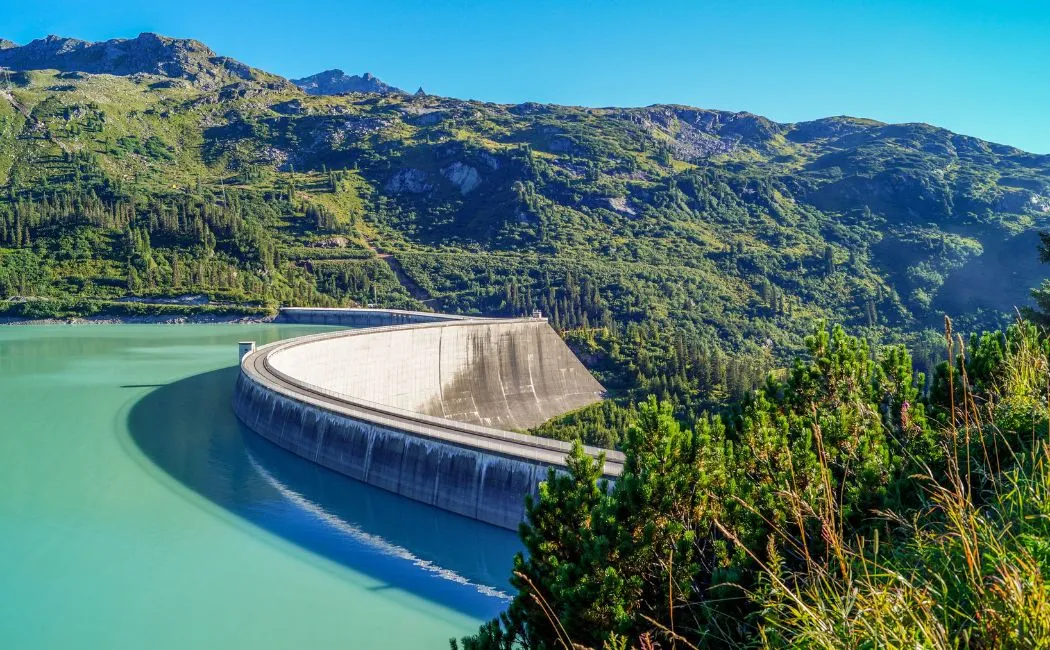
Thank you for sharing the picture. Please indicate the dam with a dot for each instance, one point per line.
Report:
(424, 405)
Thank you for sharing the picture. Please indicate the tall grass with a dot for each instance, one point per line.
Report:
(968, 569)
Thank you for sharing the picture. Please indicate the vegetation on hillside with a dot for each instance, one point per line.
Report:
(684, 251)
(835, 508)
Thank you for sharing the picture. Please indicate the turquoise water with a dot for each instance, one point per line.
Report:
(136, 512)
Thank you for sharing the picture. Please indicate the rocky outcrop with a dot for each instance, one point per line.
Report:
(492, 161)
(411, 181)
(697, 133)
(830, 128)
(531, 108)
(330, 242)
(463, 176)
(335, 82)
(619, 204)
(334, 132)
(1019, 201)
(428, 117)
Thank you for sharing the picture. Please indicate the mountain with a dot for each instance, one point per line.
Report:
(334, 82)
(178, 58)
(727, 233)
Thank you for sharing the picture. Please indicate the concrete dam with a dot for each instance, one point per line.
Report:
(424, 405)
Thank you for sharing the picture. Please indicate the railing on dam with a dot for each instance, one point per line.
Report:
(363, 317)
(479, 471)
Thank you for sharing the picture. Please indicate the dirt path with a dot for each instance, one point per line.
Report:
(406, 281)
(32, 123)
(17, 104)
(414, 289)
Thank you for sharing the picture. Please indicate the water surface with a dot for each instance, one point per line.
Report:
(135, 511)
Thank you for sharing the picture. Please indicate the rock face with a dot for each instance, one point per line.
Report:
(334, 82)
(6, 44)
(463, 176)
(619, 204)
(147, 53)
(330, 242)
(695, 133)
(413, 181)
(490, 160)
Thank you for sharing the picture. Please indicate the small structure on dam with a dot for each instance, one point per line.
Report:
(422, 404)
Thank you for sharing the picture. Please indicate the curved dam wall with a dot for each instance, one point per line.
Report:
(513, 374)
(389, 406)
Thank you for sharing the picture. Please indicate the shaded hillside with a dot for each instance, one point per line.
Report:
(179, 171)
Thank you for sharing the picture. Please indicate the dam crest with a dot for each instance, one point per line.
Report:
(424, 405)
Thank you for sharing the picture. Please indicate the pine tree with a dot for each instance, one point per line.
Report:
(1040, 313)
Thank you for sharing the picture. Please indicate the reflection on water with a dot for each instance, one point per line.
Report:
(188, 429)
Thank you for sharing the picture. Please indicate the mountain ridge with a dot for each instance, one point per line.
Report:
(731, 229)
(194, 61)
(147, 53)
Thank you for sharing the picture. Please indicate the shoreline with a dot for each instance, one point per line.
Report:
(169, 319)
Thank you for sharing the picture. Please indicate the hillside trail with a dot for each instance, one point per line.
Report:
(410, 285)
(19, 106)
(367, 238)
(31, 123)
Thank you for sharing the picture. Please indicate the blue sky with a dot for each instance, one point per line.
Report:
(980, 68)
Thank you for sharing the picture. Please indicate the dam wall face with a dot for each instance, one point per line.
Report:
(503, 374)
(477, 484)
(423, 409)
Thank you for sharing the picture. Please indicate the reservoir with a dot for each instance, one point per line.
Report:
(136, 511)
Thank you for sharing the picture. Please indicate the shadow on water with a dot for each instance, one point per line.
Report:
(187, 428)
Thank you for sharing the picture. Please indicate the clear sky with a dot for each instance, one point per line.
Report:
(980, 68)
